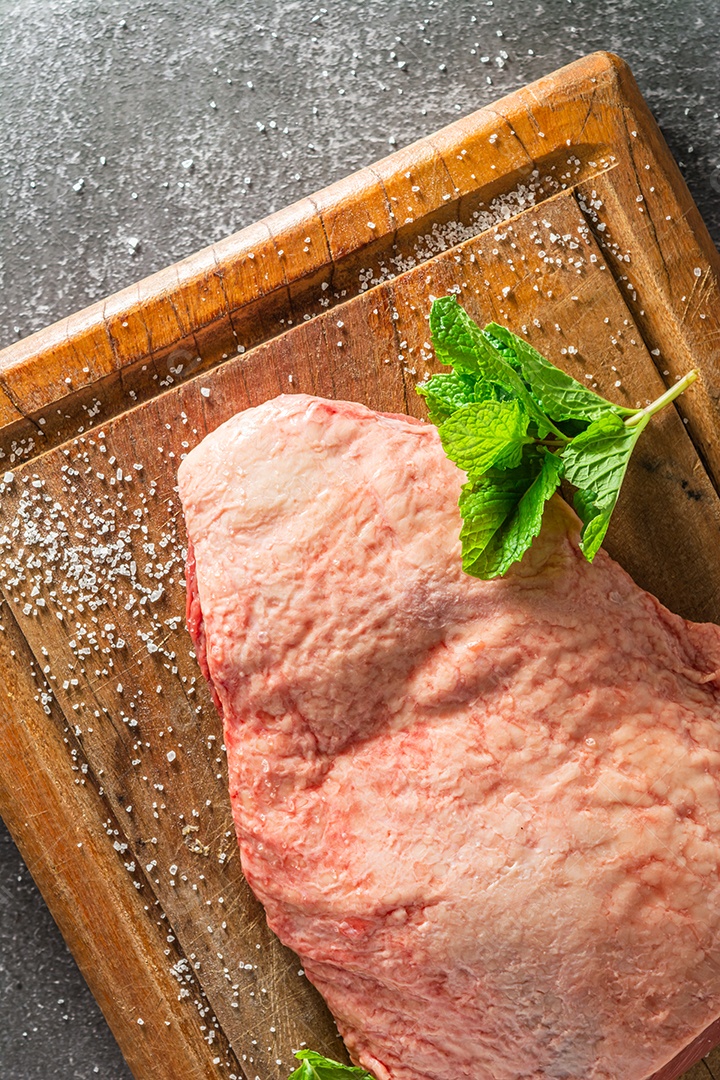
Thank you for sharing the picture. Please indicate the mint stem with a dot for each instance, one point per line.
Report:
(664, 399)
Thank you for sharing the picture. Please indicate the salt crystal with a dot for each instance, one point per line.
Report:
(171, 755)
(205, 391)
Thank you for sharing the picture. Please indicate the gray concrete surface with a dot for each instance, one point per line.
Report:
(132, 134)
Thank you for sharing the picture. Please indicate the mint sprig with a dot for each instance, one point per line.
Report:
(316, 1067)
(517, 425)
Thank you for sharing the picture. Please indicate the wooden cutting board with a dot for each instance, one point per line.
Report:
(558, 211)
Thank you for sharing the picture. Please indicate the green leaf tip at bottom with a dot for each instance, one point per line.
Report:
(316, 1067)
(517, 425)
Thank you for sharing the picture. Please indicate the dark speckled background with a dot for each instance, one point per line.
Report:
(133, 134)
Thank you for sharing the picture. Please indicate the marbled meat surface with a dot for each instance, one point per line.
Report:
(486, 815)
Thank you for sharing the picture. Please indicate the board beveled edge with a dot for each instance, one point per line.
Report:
(672, 279)
(221, 299)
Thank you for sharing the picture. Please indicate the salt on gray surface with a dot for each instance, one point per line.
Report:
(33, 955)
(213, 124)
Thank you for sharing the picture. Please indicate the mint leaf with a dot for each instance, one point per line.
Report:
(460, 342)
(486, 503)
(497, 413)
(561, 396)
(596, 462)
(445, 393)
(518, 497)
(489, 391)
(595, 521)
(316, 1067)
(486, 433)
(455, 338)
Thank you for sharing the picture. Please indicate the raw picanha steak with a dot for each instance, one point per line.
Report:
(485, 814)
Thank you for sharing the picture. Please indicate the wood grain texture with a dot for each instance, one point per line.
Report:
(110, 920)
(108, 738)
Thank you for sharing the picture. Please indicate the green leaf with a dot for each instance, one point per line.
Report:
(595, 525)
(460, 342)
(561, 396)
(489, 391)
(486, 503)
(594, 457)
(316, 1067)
(455, 338)
(446, 393)
(495, 412)
(486, 433)
(502, 514)
(596, 462)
